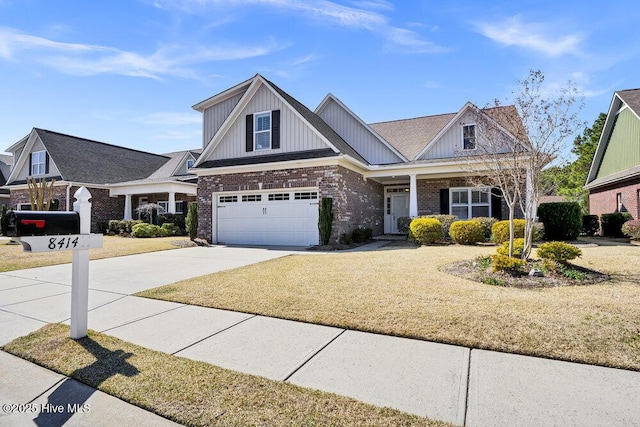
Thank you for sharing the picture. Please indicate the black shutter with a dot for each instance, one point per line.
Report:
(444, 201)
(275, 129)
(46, 168)
(30, 163)
(496, 203)
(249, 142)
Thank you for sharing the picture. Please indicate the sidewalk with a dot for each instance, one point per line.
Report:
(445, 382)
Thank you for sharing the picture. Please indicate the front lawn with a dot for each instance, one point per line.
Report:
(13, 258)
(404, 292)
(195, 393)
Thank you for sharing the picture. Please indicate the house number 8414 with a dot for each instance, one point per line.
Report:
(63, 243)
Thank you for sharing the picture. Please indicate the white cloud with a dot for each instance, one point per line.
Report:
(85, 59)
(535, 36)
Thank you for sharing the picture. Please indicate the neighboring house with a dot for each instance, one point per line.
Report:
(6, 162)
(267, 160)
(119, 179)
(614, 178)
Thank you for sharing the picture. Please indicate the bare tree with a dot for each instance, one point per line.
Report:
(515, 142)
(40, 193)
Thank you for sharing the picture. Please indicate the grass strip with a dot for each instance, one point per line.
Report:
(191, 392)
(403, 292)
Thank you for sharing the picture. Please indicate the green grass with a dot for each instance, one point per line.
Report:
(403, 292)
(12, 256)
(195, 393)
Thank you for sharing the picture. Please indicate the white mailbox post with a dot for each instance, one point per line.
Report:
(80, 245)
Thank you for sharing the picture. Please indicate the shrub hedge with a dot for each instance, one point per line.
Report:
(590, 225)
(361, 234)
(487, 222)
(500, 230)
(425, 231)
(558, 251)
(562, 221)
(612, 223)
(446, 221)
(468, 232)
(147, 230)
(632, 229)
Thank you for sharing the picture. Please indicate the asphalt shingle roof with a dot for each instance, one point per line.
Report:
(93, 162)
(631, 97)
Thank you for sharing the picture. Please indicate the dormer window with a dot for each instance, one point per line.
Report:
(262, 131)
(38, 163)
(190, 163)
(469, 137)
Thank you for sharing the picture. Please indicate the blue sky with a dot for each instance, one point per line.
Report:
(128, 72)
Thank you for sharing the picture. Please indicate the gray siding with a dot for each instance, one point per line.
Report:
(356, 135)
(214, 116)
(24, 170)
(295, 135)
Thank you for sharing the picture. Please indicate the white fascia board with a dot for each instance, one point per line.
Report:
(19, 163)
(262, 167)
(155, 187)
(222, 96)
(342, 105)
(61, 183)
(182, 161)
(616, 102)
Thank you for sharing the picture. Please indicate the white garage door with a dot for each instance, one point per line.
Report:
(274, 217)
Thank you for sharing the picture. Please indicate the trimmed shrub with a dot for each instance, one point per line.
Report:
(114, 226)
(590, 225)
(176, 219)
(102, 227)
(346, 239)
(467, 232)
(192, 220)
(500, 230)
(325, 219)
(632, 229)
(562, 221)
(446, 221)
(612, 223)
(425, 231)
(558, 251)
(403, 224)
(518, 247)
(147, 230)
(171, 229)
(487, 222)
(507, 264)
(361, 234)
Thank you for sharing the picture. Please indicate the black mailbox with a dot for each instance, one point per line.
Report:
(42, 223)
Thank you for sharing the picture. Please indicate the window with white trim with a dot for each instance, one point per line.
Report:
(179, 205)
(228, 199)
(619, 205)
(164, 205)
(307, 195)
(190, 163)
(469, 137)
(39, 162)
(252, 197)
(262, 131)
(468, 203)
(278, 197)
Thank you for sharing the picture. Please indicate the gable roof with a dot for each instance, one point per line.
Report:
(411, 136)
(631, 99)
(87, 161)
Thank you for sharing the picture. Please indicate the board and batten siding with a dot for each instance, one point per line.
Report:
(26, 172)
(623, 148)
(295, 134)
(356, 135)
(450, 143)
(214, 116)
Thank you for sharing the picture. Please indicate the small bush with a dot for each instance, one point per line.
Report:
(114, 226)
(403, 224)
(425, 231)
(518, 247)
(346, 239)
(562, 221)
(446, 221)
(467, 232)
(361, 234)
(487, 222)
(177, 219)
(632, 229)
(590, 225)
(558, 251)
(102, 227)
(612, 223)
(171, 229)
(192, 220)
(144, 230)
(500, 230)
(507, 264)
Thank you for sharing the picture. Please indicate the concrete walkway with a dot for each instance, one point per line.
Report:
(445, 382)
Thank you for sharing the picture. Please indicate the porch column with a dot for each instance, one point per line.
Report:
(413, 196)
(172, 203)
(127, 206)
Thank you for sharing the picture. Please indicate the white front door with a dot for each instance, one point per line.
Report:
(276, 217)
(396, 206)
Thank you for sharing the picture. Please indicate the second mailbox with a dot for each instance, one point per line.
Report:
(42, 223)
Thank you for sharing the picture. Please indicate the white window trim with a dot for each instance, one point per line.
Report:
(470, 205)
(475, 134)
(43, 164)
(255, 131)
(179, 203)
(190, 161)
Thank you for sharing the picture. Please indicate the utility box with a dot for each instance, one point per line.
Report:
(42, 223)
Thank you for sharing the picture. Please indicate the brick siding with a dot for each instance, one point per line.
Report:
(356, 202)
(604, 200)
